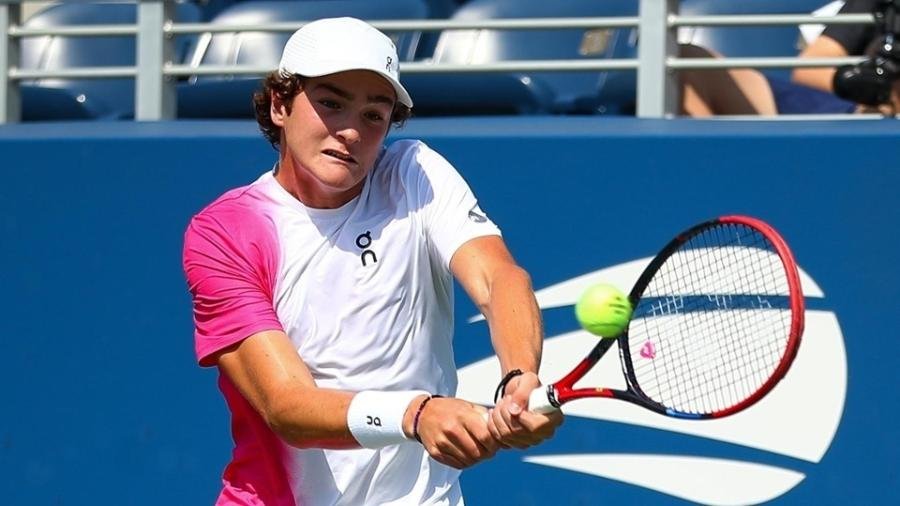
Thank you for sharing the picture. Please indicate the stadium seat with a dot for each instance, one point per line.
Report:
(748, 41)
(499, 94)
(229, 96)
(211, 8)
(265, 47)
(521, 92)
(87, 98)
(45, 103)
(436, 8)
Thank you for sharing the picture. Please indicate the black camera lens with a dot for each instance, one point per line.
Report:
(868, 82)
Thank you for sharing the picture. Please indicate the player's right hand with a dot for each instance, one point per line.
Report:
(515, 426)
(454, 432)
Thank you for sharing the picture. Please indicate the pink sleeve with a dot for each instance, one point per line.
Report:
(230, 259)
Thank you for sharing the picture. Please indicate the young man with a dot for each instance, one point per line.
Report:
(323, 293)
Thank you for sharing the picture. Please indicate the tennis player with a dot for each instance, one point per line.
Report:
(322, 291)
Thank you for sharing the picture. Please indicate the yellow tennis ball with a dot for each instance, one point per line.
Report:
(603, 310)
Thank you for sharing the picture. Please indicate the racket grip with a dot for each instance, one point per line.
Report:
(539, 400)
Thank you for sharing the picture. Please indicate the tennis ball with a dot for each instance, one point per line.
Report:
(603, 310)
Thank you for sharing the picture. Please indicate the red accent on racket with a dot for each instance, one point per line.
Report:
(717, 321)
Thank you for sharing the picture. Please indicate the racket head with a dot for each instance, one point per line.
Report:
(718, 318)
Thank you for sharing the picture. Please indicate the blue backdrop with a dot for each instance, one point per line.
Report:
(103, 402)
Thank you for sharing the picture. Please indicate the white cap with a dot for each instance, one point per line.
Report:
(332, 45)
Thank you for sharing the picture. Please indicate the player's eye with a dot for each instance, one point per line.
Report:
(374, 116)
(330, 104)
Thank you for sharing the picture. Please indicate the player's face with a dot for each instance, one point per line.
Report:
(333, 135)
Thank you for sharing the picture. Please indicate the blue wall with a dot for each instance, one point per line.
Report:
(102, 400)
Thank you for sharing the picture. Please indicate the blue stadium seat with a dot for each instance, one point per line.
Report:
(523, 92)
(494, 94)
(230, 96)
(45, 103)
(748, 41)
(436, 8)
(265, 48)
(211, 8)
(88, 98)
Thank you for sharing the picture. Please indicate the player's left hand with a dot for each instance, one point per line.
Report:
(512, 424)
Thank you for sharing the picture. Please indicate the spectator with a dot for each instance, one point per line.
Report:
(810, 90)
(840, 41)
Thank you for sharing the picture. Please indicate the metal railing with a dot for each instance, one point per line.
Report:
(155, 31)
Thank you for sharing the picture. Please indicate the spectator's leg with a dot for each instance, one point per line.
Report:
(731, 91)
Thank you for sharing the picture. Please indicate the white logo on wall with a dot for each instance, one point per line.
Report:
(797, 419)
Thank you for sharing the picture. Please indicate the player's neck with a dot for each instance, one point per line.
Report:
(303, 186)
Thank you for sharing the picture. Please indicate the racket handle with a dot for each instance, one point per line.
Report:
(539, 400)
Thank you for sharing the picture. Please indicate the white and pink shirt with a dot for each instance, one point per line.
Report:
(366, 296)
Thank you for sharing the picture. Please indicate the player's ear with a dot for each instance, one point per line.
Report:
(277, 109)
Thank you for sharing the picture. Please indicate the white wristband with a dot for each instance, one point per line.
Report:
(375, 418)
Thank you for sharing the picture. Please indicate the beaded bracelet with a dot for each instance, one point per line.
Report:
(506, 379)
(419, 413)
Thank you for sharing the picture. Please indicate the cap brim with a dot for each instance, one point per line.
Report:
(402, 95)
(334, 68)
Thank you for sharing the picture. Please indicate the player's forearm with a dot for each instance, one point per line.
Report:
(514, 320)
(320, 418)
(267, 371)
(309, 417)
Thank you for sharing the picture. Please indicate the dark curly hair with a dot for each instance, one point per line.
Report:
(287, 86)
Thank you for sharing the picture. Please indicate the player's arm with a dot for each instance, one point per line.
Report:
(267, 371)
(821, 78)
(502, 291)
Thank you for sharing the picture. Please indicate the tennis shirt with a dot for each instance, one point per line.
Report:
(365, 294)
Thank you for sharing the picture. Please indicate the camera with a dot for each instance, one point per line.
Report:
(870, 81)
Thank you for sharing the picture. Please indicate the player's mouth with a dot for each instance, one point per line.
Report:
(344, 157)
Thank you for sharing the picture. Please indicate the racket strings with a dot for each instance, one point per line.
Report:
(703, 381)
(704, 370)
(714, 379)
(713, 323)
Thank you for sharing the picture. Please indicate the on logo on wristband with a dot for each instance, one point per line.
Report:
(375, 418)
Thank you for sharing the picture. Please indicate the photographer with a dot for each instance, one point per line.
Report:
(864, 83)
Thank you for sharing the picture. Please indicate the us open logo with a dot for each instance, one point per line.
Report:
(786, 433)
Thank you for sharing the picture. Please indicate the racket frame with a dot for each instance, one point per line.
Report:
(564, 391)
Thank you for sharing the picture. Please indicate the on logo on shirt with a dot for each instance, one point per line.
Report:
(363, 241)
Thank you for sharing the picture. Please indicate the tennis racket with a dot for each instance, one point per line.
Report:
(717, 321)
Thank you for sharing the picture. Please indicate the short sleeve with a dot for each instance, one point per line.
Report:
(855, 38)
(450, 212)
(230, 258)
